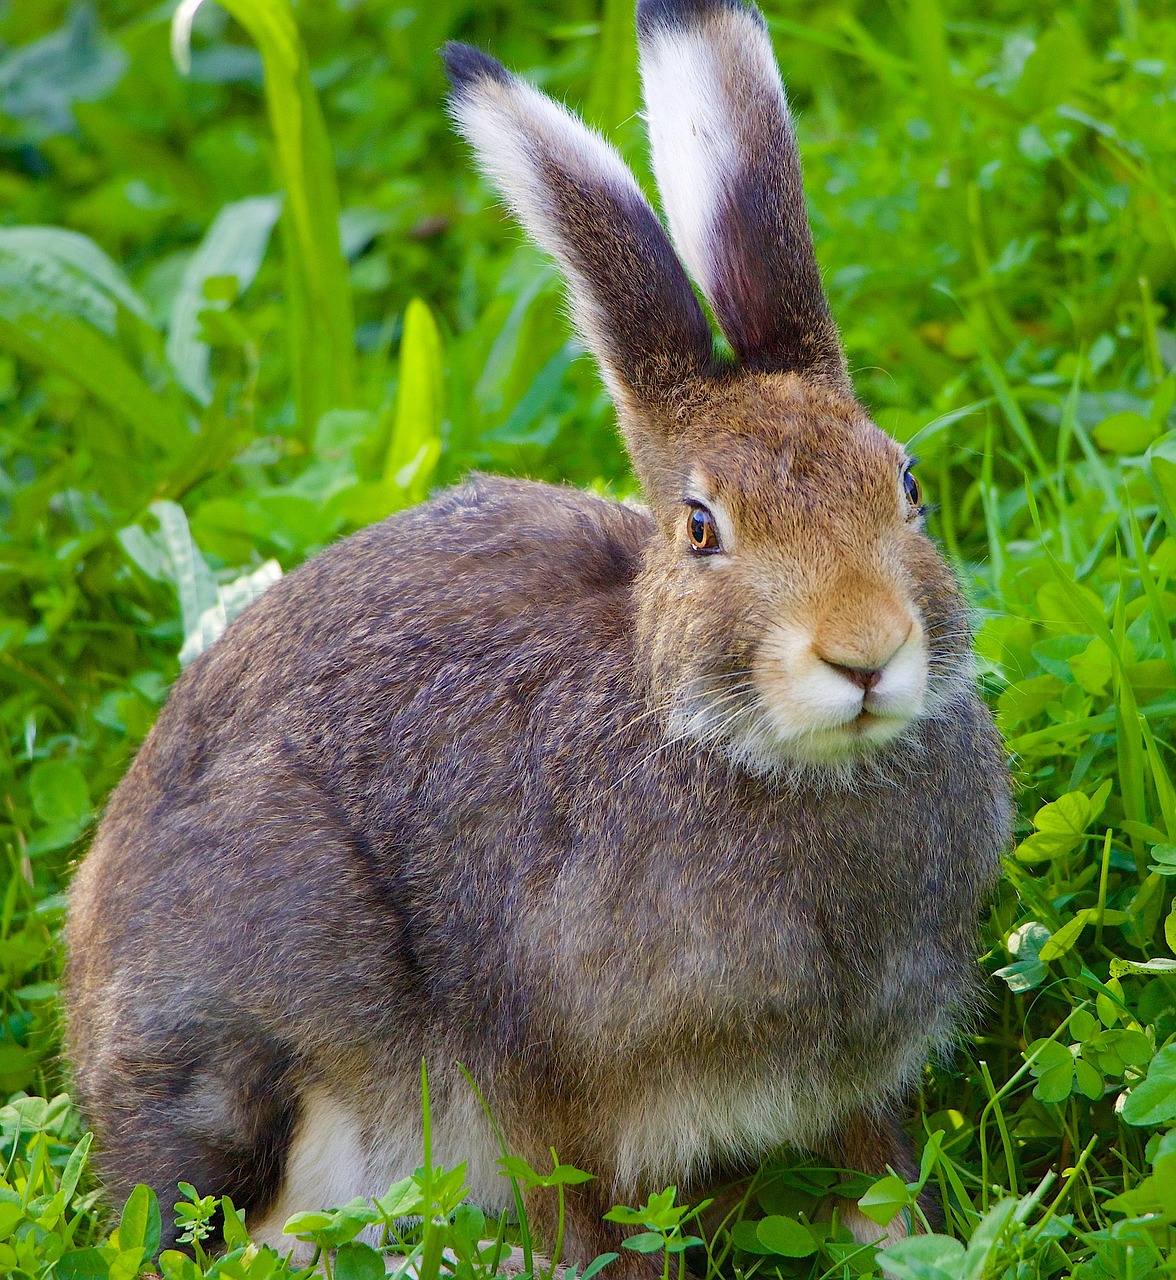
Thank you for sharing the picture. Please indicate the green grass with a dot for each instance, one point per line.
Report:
(201, 385)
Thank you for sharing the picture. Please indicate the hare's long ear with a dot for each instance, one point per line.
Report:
(727, 165)
(631, 297)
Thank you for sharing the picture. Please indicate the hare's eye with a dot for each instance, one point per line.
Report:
(912, 488)
(701, 530)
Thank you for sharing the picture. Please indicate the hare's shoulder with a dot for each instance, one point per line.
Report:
(497, 536)
(487, 573)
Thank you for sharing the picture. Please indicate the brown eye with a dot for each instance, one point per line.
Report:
(700, 529)
(912, 488)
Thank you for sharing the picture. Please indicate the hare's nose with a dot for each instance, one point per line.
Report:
(864, 677)
(863, 661)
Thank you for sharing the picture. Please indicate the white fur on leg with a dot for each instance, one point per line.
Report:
(866, 1231)
(325, 1166)
(336, 1155)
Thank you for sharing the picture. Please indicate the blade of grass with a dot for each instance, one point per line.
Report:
(520, 1206)
(615, 94)
(79, 351)
(318, 286)
(1151, 589)
(234, 246)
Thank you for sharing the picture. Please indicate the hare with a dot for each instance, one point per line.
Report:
(670, 825)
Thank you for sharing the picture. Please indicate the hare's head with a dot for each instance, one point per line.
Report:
(791, 609)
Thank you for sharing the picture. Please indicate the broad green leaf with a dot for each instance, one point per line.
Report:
(986, 1237)
(61, 299)
(1094, 667)
(126, 1264)
(144, 553)
(76, 349)
(746, 1237)
(85, 280)
(43, 79)
(83, 1264)
(1120, 967)
(595, 1267)
(356, 1261)
(1061, 826)
(58, 791)
(923, 1258)
(233, 246)
(347, 1222)
(232, 598)
(1161, 470)
(306, 1224)
(785, 1236)
(11, 1212)
(174, 1265)
(318, 286)
(233, 1224)
(416, 433)
(192, 577)
(1089, 1082)
(1023, 975)
(1061, 942)
(1125, 432)
(1133, 1047)
(402, 1199)
(887, 1197)
(1082, 1024)
(469, 1224)
(517, 1167)
(1108, 1011)
(1053, 1066)
(645, 1242)
(73, 1168)
(1153, 1100)
(140, 1226)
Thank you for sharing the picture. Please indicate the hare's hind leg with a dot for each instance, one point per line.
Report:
(873, 1143)
(210, 1104)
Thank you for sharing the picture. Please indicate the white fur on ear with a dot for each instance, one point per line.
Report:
(532, 149)
(517, 133)
(725, 155)
(711, 84)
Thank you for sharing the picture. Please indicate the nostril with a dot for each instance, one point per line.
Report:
(864, 677)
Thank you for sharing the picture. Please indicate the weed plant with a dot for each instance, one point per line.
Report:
(258, 299)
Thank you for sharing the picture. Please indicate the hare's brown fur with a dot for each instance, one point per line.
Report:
(679, 854)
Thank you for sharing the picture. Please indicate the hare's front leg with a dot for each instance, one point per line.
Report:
(585, 1233)
(873, 1143)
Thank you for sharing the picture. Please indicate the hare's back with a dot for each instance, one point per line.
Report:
(487, 581)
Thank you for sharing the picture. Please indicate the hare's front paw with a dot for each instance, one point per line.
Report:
(866, 1231)
(626, 1267)
(514, 1264)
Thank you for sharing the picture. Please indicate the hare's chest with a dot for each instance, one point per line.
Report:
(753, 963)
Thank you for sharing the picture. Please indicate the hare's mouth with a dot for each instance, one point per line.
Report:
(765, 730)
(793, 707)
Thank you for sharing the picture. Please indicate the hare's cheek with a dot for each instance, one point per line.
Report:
(901, 691)
(800, 693)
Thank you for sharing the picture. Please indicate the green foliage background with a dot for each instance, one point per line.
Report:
(246, 309)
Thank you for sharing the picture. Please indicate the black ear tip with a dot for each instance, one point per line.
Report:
(680, 15)
(466, 65)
